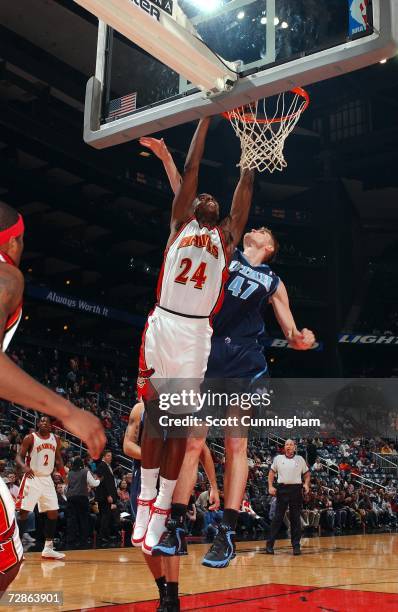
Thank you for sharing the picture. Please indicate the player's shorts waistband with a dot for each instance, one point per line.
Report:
(180, 314)
(235, 340)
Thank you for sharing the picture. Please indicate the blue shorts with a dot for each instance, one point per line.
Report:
(236, 358)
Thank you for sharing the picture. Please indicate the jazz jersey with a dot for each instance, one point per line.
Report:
(14, 319)
(194, 271)
(246, 294)
(236, 348)
(42, 455)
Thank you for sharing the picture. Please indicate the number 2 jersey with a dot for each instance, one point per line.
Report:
(42, 455)
(236, 349)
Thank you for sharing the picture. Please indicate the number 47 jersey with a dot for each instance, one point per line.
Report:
(194, 271)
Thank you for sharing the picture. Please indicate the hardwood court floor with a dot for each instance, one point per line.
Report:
(338, 574)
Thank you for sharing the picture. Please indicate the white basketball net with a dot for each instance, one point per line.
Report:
(263, 136)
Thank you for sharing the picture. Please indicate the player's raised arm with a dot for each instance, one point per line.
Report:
(182, 208)
(235, 223)
(159, 148)
(299, 340)
(131, 447)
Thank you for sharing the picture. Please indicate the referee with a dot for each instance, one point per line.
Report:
(289, 468)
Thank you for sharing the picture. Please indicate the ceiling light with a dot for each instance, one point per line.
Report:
(383, 61)
(66, 328)
(241, 14)
(263, 20)
(206, 5)
(276, 20)
(284, 25)
(145, 154)
(27, 318)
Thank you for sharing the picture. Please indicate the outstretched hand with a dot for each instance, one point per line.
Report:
(158, 147)
(303, 340)
(88, 428)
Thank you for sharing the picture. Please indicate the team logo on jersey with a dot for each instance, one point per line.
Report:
(46, 446)
(143, 376)
(201, 241)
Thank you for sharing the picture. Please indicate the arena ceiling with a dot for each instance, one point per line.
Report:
(98, 220)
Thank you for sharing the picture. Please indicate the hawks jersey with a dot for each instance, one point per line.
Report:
(194, 271)
(42, 455)
(246, 293)
(14, 319)
(11, 550)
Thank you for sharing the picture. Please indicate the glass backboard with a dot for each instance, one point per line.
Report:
(273, 45)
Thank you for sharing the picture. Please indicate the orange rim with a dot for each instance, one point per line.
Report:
(250, 118)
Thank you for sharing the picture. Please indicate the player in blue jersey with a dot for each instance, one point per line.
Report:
(237, 356)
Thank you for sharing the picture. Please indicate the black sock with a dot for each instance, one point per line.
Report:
(161, 583)
(230, 518)
(50, 526)
(22, 526)
(172, 590)
(178, 512)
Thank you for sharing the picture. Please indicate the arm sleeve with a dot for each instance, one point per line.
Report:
(274, 466)
(91, 481)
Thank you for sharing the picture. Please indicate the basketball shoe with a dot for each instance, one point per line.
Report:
(48, 552)
(172, 542)
(144, 508)
(222, 550)
(156, 528)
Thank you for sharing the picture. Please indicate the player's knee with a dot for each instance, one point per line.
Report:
(195, 446)
(235, 446)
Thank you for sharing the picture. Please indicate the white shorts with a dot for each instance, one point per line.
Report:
(38, 490)
(174, 348)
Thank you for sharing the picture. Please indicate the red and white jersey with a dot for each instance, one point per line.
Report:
(194, 271)
(42, 455)
(11, 550)
(13, 320)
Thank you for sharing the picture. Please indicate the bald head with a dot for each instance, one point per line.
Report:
(290, 448)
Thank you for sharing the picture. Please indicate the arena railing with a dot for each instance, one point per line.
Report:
(335, 468)
(116, 406)
(387, 463)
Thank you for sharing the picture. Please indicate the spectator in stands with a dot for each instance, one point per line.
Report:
(386, 449)
(317, 467)
(77, 494)
(106, 496)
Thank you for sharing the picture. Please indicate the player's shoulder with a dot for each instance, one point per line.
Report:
(137, 411)
(11, 279)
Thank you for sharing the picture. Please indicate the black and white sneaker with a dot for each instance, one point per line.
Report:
(222, 550)
(172, 543)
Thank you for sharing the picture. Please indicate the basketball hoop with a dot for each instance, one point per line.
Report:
(263, 136)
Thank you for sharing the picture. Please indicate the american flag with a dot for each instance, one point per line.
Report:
(122, 106)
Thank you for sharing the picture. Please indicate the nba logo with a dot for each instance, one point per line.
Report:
(358, 20)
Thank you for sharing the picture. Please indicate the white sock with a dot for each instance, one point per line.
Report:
(48, 544)
(149, 479)
(166, 490)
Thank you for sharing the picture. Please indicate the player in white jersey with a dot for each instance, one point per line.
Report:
(177, 338)
(17, 386)
(38, 456)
